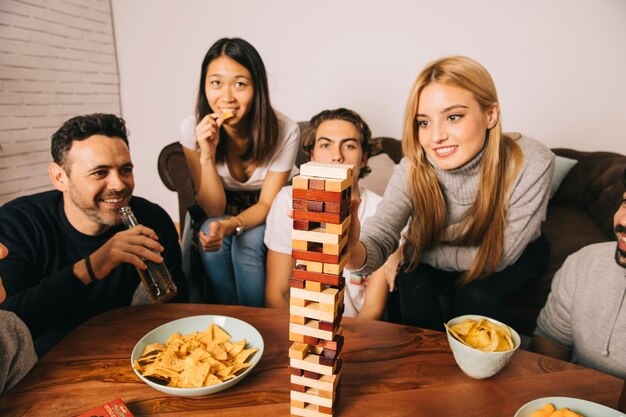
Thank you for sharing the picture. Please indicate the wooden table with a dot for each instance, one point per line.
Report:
(389, 370)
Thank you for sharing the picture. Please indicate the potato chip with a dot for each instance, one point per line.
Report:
(548, 410)
(194, 360)
(482, 335)
(227, 115)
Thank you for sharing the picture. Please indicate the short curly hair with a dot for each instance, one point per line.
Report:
(308, 135)
(79, 128)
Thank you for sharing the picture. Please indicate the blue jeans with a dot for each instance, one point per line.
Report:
(237, 270)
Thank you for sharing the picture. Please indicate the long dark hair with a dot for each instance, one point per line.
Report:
(262, 118)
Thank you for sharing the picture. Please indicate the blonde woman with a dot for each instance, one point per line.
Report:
(474, 199)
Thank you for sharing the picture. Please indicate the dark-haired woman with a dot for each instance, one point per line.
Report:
(240, 153)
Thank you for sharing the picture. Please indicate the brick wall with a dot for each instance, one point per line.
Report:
(57, 60)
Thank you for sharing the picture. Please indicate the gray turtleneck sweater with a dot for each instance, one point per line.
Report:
(586, 309)
(526, 210)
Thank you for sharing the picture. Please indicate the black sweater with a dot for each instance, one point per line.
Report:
(43, 246)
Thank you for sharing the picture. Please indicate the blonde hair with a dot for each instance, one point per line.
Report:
(484, 222)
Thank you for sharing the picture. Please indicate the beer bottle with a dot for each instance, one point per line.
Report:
(156, 278)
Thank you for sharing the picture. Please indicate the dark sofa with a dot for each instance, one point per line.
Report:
(579, 214)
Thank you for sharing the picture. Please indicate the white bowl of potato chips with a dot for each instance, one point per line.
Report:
(197, 355)
(481, 346)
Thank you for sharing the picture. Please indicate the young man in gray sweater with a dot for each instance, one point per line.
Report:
(584, 319)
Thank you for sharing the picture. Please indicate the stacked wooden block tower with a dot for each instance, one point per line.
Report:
(321, 220)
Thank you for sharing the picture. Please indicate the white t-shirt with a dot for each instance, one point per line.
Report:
(287, 150)
(278, 238)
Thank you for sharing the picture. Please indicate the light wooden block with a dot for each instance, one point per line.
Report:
(313, 286)
(318, 235)
(310, 329)
(310, 265)
(312, 311)
(297, 318)
(337, 185)
(338, 229)
(310, 410)
(311, 365)
(296, 337)
(335, 249)
(299, 350)
(327, 296)
(318, 169)
(324, 383)
(295, 301)
(299, 244)
(300, 182)
(297, 404)
(311, 396)
(336, 269)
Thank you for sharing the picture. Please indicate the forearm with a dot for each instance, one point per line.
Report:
(375, 296)
(210, 190)
(547, 347)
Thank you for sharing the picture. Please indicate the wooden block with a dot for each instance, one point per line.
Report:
(310, 265)
(311, 216)
(314, 375)
(318, 235)
(334, 207)
(298, 404)
(339, 229)
(317, 169)
(317, 184)
(311, 396)
(297, 388)
(310, 340)
(314, 256)
(296, 337)
(335, 280)
(296, 283)
(310, 329)
(335, 249)
(327, 296)
(300, 182)
(295, 301)
(311, 311)
(299, 350)
(307, 205)
(312, 365)
(313, 286)
(333, 184)
(297, 318)
(336, 344)
(336, 268)
(305, 225)
(319, 195)
(310, 410)
(296, 371)
(300, 244)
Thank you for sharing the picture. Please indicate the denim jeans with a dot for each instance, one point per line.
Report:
(237, 270)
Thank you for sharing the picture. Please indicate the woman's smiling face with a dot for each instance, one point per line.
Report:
(452, 125)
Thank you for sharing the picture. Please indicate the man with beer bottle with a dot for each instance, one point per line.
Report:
(70, 255)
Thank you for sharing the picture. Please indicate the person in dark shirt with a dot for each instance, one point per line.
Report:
(17, 355)
(70, 256)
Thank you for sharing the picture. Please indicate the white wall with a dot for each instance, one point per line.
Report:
(559, 65)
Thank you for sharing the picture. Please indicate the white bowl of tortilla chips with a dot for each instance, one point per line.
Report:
(481, 346)
(197, 355)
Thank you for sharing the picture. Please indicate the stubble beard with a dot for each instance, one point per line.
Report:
(94, 212)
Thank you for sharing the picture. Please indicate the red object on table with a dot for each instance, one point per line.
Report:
(115, 408)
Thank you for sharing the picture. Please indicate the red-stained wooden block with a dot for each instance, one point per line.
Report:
(300, 267)
(318, 195)
(310, 340)
(311, 374)
(328, 326)
(298, 204)
(296, 283)
(317, 184)
(299, 388)
(326, 361)
(331, 207)
(312, 216)
(303, 274)
(315, 256)
(295, 371)
(299, 224)
(317, 206)
(334, 344)
(315, 247)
